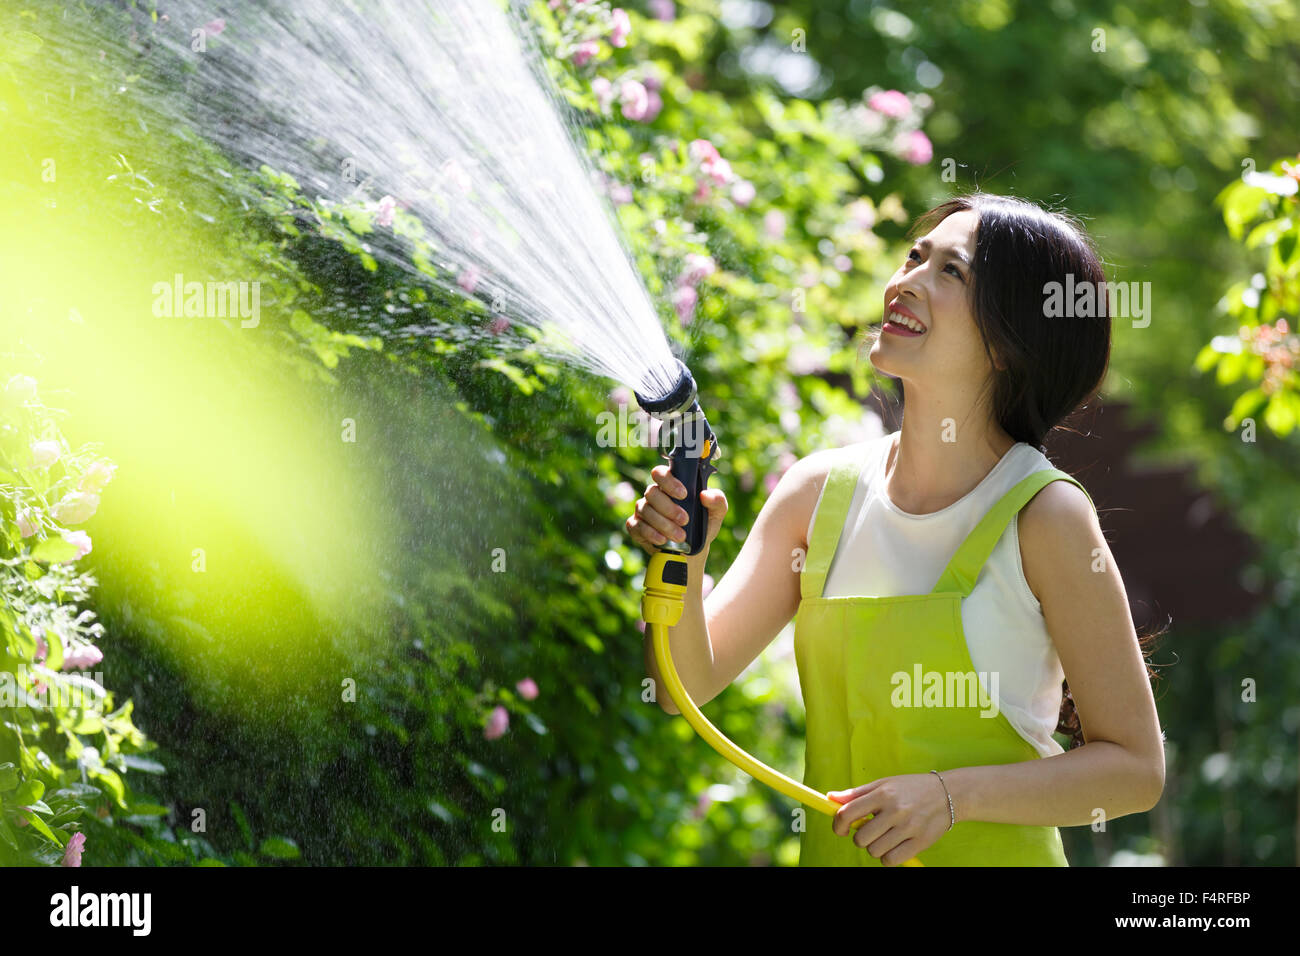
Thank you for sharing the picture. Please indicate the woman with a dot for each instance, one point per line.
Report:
(945, 578)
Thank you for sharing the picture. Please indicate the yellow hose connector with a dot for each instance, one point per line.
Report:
(661, 606)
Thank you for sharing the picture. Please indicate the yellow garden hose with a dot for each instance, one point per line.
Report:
(661, 607)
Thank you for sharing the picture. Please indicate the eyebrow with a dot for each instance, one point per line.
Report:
(952, 251)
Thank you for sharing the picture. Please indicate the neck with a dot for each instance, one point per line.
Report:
(945, 449)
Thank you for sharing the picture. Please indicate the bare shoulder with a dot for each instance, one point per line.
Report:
(801, 486)
(1059, 534)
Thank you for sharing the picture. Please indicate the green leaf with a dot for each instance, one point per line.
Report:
(242, 822)
(1207, 358)
(281, 848)
(1280, 417)
(142, 764)
(1246, 405)
(39, 826)
(54, 550)
(19, 46)
(8, 777)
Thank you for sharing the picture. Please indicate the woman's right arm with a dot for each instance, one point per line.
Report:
(756, 598)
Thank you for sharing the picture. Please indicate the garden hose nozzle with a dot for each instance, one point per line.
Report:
(668, 575)
(694, 450)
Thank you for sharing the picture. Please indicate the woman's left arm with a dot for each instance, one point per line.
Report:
(1120, 769)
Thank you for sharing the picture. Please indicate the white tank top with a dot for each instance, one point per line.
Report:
(884, 551)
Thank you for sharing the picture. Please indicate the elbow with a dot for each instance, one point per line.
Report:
(1156, 789)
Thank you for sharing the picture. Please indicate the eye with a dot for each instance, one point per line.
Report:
(955, 271)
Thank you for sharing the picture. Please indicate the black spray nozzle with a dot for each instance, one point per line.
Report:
(679, 398)
(694, 449)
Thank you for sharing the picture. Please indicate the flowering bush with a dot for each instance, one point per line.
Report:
(1266, 346)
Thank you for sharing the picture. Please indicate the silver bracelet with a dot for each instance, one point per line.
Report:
(952, 816)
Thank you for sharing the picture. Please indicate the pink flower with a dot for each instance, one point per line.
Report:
(719, 170)
(79, 539)
(497, 723)
(384, 211)
(76, 507)
(620, 193)
(891, 103)
(498, 325)
(72, 852)
(21, 388)
(46, 453)
(684, 299)
(621, 395)
(701, 150)
(916, 148)
(861, 214)
(467, 279)
(635, 100)
(86, 655)
(697, 267)
(743, 192)
(527, 688)
(664, 10)
(774, 224)
(584, 51)
(622, 27)
(604, 91)
(213, 27)
(97, 476)
(28, 522)
(654, 104)
(770, 481)
(640, 626)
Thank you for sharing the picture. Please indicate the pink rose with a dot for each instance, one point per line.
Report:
(622, 27)
(498, 325)
(80, 540)
(213, 27)
(719, 170)
(916, 148)
(743, 192)
(21, 388)
(384, 211)
(76, 507)
(701, 150)
(774, 224)
(584, 51)
(527, 688)
(86, 655)
(604, 91)
(28, 522)
(697, 267)
(635, 100)
(72, 852)
(46, 453)
(891, 103)
(664, 10)
(497, 723)
(41, 649)
(654, 105)
(684, 299)
(97, 476)
(467, 279)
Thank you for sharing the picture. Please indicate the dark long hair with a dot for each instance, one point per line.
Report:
(1053, 367)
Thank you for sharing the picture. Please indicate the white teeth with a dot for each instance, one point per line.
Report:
(899, 319)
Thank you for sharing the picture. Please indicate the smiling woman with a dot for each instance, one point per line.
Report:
(956, 552)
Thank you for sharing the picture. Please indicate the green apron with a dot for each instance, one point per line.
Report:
(853, 653)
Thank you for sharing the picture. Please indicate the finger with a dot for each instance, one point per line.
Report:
(858, 808)
(659, 521)
(663, 477)
(883, 844)
(666, 506)
(901, 853)
(646, 536)
(844, 796)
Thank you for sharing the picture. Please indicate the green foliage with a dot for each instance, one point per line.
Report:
(1266, 349)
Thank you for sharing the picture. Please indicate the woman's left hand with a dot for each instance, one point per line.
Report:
(910, 815)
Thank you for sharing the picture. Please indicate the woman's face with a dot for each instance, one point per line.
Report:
(934, 285)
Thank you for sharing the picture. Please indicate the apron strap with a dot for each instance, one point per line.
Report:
(964, 568)
(828, 526)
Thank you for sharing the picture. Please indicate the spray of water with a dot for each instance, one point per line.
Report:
(446, 106)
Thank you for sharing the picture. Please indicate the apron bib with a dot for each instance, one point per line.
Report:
(889, 688)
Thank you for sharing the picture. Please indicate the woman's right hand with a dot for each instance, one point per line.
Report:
(659, 515)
